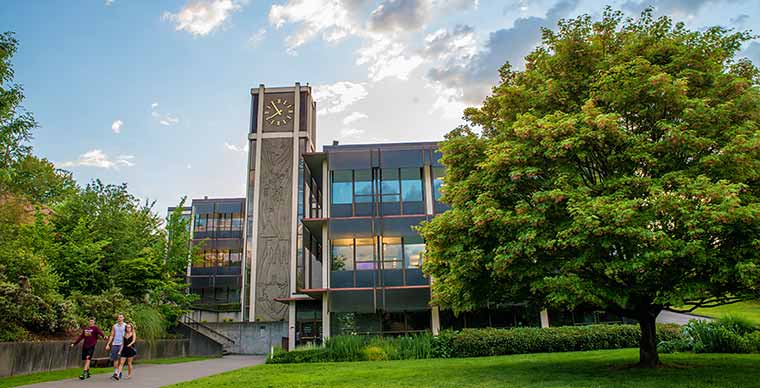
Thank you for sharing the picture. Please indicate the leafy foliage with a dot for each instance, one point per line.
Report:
(473, 343)
(68, 253)
(619, 170)
(731, 334)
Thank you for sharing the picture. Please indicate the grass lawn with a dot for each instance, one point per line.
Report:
(604, 368)
(15, 381)
(749, 309)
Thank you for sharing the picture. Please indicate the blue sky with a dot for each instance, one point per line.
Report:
(156, 93)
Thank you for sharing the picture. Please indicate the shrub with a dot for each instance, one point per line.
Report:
(492, 342)
(442, 345)
(418, 346)
(103, 307)
(738, 324)
(345, 348)
(300, 355)
(375, 353)
(753, 342)
(148, 321)
(714, 337)
(478, 342)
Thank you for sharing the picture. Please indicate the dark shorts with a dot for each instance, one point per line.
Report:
(87, 353)
(115, 352)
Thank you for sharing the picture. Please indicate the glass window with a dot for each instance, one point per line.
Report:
(200, 222)
(414, 250)
(392, 252)
(365, 253)
(235, 258)
(411, 185)
(237, 221)
(438, 174)
(343, 255)
(341, 187)
(363, 186)
(390, 186)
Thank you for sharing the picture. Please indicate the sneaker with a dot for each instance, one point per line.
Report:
(87, 375)
(115, 377)
(119, 376)
(83, 376)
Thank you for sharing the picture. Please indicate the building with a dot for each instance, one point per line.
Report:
(328, 242)
(217, 279)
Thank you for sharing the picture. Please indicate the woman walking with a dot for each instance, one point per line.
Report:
(127, 352)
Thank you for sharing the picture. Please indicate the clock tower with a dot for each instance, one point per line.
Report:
(282, 128)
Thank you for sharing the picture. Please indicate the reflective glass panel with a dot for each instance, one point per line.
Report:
(363, 185)
(411, 185)
(342, 255)
(341, 187)
(365, 253)
(414, 250)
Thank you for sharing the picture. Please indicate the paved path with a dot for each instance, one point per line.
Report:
(667, 316)
(154, 375)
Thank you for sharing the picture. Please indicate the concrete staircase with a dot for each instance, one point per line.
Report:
(226, 342)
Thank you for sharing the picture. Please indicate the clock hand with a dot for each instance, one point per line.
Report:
(275, 107)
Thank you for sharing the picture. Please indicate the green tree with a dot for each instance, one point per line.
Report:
(619, 170)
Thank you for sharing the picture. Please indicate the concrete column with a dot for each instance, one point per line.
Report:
(291, 325)
(428, 179)
(325, 317)
(256, 195)
(544, 318)
(436, 321)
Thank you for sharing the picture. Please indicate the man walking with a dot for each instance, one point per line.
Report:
(115, 342)
(90, 336)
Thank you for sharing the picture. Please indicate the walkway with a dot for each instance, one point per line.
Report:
(155, 375)
(667, 316)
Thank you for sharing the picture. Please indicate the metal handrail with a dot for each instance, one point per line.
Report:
(190, 321)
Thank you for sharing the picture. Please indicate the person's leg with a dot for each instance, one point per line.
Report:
(115, 349)
(122, 360)
(129, 367)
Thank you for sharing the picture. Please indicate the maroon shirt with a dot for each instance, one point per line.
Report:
(90, 336)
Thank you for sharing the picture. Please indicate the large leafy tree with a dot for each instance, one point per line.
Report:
(619, 170)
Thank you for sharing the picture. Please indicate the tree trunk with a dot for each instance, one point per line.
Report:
(648, 357)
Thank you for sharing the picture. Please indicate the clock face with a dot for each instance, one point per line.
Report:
(278, 112)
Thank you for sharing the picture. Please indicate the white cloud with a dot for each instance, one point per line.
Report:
(400, 15)
(201, 17)
(471, 74)
(189, 166)
(116, 126)
(257, 37)
(351, 132)
(97, 158)
(385, 57)
(331, 19)
(335, 98)
(235, 148)
(109, 2)
(355, 116)
(166, 119)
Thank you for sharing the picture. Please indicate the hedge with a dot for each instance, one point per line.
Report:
(475, 343)
(496, 342)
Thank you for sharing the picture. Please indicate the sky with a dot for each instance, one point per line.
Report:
(157, 93)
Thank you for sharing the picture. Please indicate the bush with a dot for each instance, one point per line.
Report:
(148, 322)
(714, 337)
(442, 345)
(300, 355)
(475, 343)
(345, 348)
(493, 342)
(103, 307)
(738, 324)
